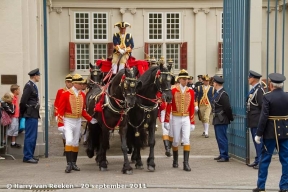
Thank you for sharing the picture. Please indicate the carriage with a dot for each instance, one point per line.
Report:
(126, 102)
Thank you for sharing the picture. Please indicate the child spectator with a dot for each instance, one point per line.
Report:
(14, 127)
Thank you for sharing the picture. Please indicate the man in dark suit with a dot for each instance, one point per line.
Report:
(222, 115)
(29, 109)
(254, 106)
(273, 127)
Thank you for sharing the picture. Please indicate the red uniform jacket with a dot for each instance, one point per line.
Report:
(57, 100)
(72, 107)
(163, 104)
(182, 104)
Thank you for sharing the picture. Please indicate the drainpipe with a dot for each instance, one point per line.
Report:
(46, 76)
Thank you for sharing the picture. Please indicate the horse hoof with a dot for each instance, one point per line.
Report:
(128, 172)
(139, 167)
(150, 168)
(103, 169)
(133, 161)
(168, 154)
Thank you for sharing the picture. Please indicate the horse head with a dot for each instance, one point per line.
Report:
(128, 84)
(163, 80)
(96, 75)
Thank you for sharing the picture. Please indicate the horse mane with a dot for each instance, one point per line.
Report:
(148, 75)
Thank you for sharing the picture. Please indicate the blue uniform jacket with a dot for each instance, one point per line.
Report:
(199, 93)
(275, 103)
(128, 40)
(29, 104)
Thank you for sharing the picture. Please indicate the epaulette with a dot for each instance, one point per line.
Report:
(267, 92)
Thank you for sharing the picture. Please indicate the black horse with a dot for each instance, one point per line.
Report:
(94, 86)
(142, 117)
(115, 101)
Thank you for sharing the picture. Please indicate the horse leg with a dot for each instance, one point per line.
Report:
(151, 142)
(139, 164)
(90, 141)
(104, 146)
(127, 169)
(134, 155)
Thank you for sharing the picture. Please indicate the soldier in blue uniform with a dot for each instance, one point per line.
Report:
(273, 127)
(254, 106)
(222, 115)
(123, 45)
(29, 109)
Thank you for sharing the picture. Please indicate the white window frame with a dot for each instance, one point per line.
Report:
(221, 27)
(164, 41)
(99, 40)
(91, 41)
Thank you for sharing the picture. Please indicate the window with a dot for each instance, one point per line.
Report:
(220, 55)
(91, 38)
(221, 26)
(164, 36)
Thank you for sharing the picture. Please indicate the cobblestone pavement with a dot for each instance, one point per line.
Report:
(206, 174)
(199, 144)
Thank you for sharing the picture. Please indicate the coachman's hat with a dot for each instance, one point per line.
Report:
(122, 24)
(34, 72)
(276, 77)
(183, 74)
(206, 78)
(77, 79)
(218, 79)
(253, 74)
(68, 77)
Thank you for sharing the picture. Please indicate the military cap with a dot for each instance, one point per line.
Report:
(122, 24)
(183, 74)
(218, 79)
(276, 77)
(77, 79)
(190, 77)
(170, 61)
(206, 78)
(253, 74)
(199, 76)
(34, 72)
(68, 77)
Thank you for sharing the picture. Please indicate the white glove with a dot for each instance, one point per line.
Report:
(61, 129)
(121, 51)
(257, 139)
(192, 127)
(196, 108)
(56, 118)
(193, 86)
(166, 126)
(93, 121)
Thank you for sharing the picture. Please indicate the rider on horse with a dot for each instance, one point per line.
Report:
(123, 45)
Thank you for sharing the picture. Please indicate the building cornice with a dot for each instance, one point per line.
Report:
(138, 4)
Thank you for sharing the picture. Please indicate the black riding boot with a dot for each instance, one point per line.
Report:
(74, 160)
(167, 148)
(175, 159)
(186, 166)
(69, 160)
(64, 143)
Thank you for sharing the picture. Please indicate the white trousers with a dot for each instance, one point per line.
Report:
(72, 131)
(181, 129)
(114, 68)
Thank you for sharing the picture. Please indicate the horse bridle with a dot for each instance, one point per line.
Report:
(160, 81)
(95, 73)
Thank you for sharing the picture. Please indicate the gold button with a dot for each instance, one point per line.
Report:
(286, 133)
(286, 126)
(278, 134)
(278, 126)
